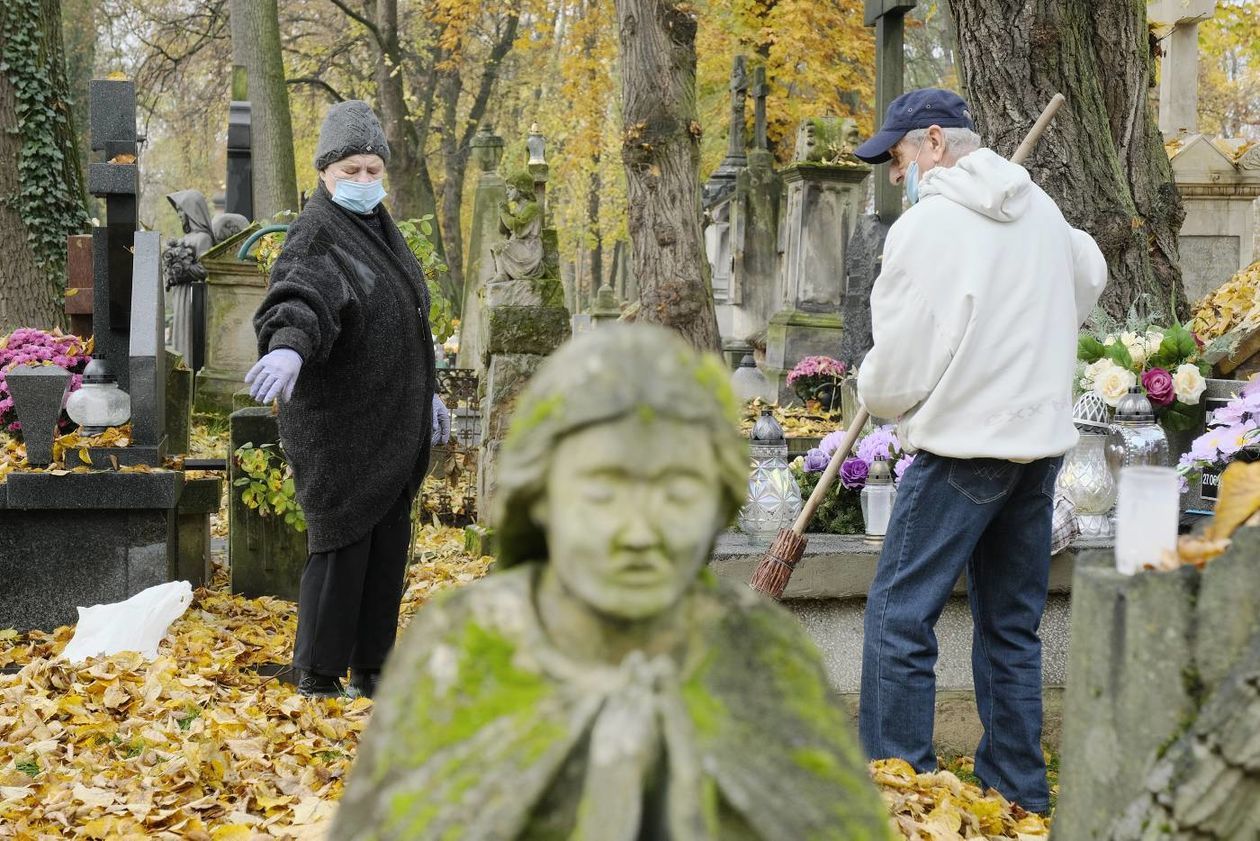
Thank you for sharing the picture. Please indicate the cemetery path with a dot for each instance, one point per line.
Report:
(198, 744)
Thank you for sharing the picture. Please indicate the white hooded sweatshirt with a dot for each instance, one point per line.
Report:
(975, 316)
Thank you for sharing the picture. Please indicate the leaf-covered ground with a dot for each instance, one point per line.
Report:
(198, 745)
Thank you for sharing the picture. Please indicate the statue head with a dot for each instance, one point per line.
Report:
(520, 185)
(623, 463)
(826, 139)
(228, 225)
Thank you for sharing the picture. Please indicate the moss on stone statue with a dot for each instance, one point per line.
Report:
(537, 330)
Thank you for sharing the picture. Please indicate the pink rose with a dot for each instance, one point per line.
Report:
(1159, 386)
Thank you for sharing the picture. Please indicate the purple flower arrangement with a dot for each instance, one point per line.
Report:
(818, 378)
(28, 345)
(1232, 428)
(840, 512)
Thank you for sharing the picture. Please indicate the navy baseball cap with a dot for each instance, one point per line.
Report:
(917, 109)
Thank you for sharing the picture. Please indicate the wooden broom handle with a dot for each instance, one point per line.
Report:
(833, 467)
(1039, 128)
(859, 419)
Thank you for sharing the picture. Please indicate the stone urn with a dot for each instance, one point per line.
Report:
(39, 393)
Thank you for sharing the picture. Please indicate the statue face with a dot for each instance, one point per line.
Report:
(630, 512)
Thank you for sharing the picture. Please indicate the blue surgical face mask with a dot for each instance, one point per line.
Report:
(910, 183)
(359, 196)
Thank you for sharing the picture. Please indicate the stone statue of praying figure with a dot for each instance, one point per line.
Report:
(601, 684)
(520, 217)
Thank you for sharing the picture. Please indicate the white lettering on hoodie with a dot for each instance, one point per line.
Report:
(975, 316)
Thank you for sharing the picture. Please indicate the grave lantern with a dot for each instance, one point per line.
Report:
(749, 383)
(878, 495)
(774, 498)
(1136, 439)
(99, 403)
(1086, 478)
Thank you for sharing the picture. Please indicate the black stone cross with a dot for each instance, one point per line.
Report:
(739, 91)
(888, 18)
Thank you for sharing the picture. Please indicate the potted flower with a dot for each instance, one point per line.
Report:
(816, 381)
(1166, 362)
(841, 511)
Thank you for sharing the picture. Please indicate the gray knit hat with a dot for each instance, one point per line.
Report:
(350, 128)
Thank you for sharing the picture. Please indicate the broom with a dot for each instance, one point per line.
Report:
(772, 574)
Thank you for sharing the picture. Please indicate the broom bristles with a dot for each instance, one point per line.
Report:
(773, 573)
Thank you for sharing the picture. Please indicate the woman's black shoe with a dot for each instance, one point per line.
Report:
(320, 686)
(363, 684)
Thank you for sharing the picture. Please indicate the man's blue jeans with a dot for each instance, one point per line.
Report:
(991, 518)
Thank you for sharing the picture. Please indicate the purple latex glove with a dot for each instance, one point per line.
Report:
(274, 375)
(441, 422)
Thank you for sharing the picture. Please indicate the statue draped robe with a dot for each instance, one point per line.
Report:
(484, 730)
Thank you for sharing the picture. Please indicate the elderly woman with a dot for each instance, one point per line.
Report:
(345, 344)
(601, 685)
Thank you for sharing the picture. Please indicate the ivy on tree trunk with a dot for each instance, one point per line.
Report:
(661, 151)
(41, 181)
(1103, 159)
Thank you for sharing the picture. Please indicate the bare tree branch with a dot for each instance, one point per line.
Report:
(319, 83)
(361, 18)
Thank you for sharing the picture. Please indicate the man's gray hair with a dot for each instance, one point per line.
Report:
(959, 141)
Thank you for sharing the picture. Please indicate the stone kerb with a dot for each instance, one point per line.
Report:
(1147, 651)
(827, 594)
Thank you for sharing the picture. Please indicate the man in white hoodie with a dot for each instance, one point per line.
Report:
(974, 317)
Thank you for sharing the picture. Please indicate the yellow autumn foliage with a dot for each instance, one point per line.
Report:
(1233, 305)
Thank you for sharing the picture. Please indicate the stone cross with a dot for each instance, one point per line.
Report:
(1179, 73)
(739, 94)
(759, 91)
(888, 18)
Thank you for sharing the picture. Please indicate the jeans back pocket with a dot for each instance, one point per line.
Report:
(983, 480)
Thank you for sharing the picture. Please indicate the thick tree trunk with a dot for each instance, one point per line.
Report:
(1102, 160)
(594, 238)
(456, 137)
(33, 226)
(661, 152)
(256, 45)
(410, 184)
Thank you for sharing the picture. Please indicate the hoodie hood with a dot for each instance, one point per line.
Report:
(983, 181)
(193, 211)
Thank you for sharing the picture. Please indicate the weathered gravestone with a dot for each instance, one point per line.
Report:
(490, 194)
(1162, 717)
(826, 194)
(524, 317)
(600, 685)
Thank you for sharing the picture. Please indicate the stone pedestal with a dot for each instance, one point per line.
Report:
(179, 386)
(1147, 651)
(755, 247)
(234, 291)
(515, 339)
(824, 202)
(1177, 23)
(39, 393)
(265, 554)
(95, 538)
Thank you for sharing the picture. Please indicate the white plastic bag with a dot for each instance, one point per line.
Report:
(138, 624)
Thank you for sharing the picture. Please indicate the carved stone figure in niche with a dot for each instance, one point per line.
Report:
(181, 266)
(602, 684)
(826, 140)
(520, 217)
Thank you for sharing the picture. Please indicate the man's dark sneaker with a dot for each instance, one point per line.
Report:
(313, 685)
(363, 683)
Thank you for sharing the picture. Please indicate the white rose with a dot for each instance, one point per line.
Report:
(1154, 338)
(1113, 383)
(1188, 383)
(1110, 340)
(1135, 345)
(1092, 370)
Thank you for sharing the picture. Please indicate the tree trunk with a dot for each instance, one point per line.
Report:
(410, 183)
(594, 237)
(43, 196)
(455, 151)
(256, 45)
(661, 152)
(1102, 160)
